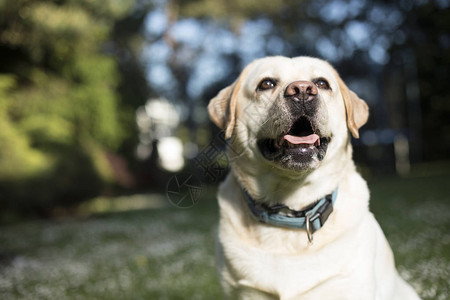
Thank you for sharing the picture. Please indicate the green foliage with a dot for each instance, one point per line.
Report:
(59, 110)
(17, 158)
(227, 9)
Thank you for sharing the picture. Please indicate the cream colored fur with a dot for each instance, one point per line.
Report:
(350, 257)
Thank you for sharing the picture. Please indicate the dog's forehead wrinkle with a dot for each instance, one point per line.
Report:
(309, 70)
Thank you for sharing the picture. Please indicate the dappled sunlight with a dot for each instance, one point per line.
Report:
(124, 203)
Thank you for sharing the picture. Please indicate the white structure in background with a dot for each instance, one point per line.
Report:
(157, 121)
(170, 153)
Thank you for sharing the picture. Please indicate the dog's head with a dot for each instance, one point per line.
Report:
(289, 113)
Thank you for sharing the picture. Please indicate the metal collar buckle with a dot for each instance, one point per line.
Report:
(322, 214)
(310, 227)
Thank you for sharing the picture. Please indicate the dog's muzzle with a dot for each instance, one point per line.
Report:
(300, 141)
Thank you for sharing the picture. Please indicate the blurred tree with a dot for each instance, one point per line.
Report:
(59, 110)
(425, 58)
(233, 11)
(128, 40)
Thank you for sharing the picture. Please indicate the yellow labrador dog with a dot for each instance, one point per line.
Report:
(294, 217)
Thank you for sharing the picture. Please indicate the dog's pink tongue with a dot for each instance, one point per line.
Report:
(310, 139)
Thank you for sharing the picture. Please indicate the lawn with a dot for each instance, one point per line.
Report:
(164, 252)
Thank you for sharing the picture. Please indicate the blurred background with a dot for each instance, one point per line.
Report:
(100, 97)
(105, 100)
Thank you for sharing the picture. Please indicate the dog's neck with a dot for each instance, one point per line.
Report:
(297, 192)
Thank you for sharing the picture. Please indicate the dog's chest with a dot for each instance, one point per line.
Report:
(336, 267)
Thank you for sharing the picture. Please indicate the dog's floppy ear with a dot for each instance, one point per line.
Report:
(356, 109)
(222, 108)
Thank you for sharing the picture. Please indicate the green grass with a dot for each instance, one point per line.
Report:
(415, 216)
(164, 252)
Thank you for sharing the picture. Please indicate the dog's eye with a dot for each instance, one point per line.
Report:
(322, 84)
(266, 84)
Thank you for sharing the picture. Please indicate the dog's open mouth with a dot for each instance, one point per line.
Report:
(300, 143)
(301, 134)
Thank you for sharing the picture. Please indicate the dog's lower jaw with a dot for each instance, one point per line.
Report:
(274, 183)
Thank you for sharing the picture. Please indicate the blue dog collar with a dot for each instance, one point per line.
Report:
(312, 218)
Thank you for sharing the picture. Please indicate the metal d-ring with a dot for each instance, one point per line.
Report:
(308, 229)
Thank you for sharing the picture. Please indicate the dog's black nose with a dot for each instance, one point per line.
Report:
(301, 90)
